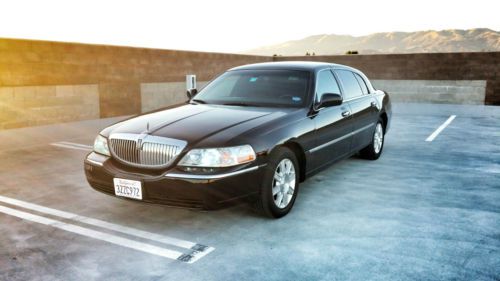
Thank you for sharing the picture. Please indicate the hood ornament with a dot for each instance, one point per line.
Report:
(141, 137)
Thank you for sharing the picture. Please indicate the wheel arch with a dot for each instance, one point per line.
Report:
(297, 149)
(385, 119)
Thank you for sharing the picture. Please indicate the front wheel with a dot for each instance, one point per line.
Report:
(281, 184)
(374, 149)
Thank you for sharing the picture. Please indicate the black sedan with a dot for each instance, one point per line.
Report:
(252, 133)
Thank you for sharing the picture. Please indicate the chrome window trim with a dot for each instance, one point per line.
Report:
(344, 101)
(340, 138)
(315, 99)
(341, 87)
(342, 83)
(355, 98)
(368, 83)
(210, 177)
(356, 75)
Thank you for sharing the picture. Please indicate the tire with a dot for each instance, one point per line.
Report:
(374, 149)
(279, 160)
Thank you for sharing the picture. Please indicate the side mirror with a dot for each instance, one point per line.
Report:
(328, 100)
(191, 93)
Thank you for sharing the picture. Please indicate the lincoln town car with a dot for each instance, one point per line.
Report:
(252, 134)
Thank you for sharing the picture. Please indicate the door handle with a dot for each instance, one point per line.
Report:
(346, 113)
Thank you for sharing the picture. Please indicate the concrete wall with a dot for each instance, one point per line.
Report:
(118, 73)
(37, 105)
(108, 81)
(434, 91)
(428, 66)
(158, 95)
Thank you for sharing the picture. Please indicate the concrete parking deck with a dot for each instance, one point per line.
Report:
(426, 210)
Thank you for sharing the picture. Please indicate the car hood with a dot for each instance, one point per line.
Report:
(194, 123)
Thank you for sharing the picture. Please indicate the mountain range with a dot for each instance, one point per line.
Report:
(431, 41)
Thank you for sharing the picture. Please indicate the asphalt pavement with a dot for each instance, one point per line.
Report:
(426, 210)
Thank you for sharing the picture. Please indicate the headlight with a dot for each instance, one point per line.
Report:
(218, 157)
(101, 145)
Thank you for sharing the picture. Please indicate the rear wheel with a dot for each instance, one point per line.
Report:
(281, 184)
(374, 149)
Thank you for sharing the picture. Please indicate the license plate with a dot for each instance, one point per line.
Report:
(128, 188)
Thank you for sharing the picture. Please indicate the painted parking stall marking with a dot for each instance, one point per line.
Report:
(93, 233)
(72, 145)
(440, 128)
(194, 251)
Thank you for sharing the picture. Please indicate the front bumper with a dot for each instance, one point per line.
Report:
(178, 188)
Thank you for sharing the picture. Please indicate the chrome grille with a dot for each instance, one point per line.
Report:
(145, 150)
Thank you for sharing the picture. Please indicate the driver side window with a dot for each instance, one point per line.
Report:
(326, 84)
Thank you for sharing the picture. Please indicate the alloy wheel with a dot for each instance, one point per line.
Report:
(284, 183)
(378, 138)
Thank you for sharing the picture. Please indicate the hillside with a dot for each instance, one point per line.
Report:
(472, 40)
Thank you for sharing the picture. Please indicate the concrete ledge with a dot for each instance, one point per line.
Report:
(430, 109)
(434, 91)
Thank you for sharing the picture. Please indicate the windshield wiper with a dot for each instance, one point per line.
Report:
(199, 101)
(239, 104)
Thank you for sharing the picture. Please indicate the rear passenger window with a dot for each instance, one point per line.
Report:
(350, 83)
(362, 83)
(326, 84)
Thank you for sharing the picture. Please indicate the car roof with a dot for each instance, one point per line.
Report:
(288, 65)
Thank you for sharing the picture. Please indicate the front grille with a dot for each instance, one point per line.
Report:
(145, 150)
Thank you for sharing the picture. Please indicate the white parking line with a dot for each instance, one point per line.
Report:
(76, 144)
(440, 128)
(94, 234)
(70, 145)
(196, 252)
(98, 223)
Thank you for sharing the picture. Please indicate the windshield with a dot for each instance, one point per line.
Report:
(257, 88)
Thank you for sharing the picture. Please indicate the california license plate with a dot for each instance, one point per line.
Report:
(128, 188)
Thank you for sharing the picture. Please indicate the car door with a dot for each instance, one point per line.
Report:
(363, 107)
(333, 124)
